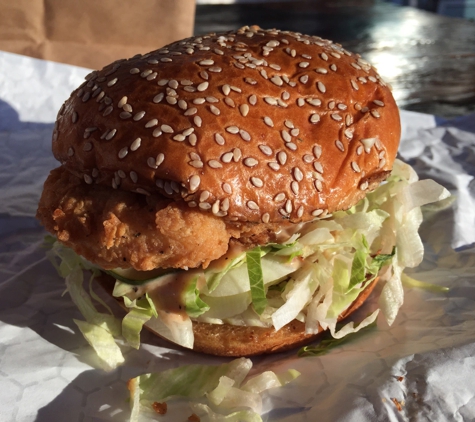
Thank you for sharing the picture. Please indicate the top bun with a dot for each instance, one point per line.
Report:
(253, 125)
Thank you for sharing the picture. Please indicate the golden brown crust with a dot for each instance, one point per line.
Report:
(200, 107)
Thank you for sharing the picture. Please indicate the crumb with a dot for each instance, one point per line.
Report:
(160, 408)
(193, 418)
(400, 379)
(383, 399)
(398, 404)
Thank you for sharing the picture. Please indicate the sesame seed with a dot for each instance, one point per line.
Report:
(232, 129)
(136, 144)
(318, 185)
(355, 167)
(207, 62)
(244, 109)
(237, 154)
(349, 133)
(307, 158)
(215, 164)
(289, 124)
(214, 110)
(317, 151)
(304, 64)
(182, 104)
(359, 150)
(229, 101)
(127, 107)
(300, 102)
(279, 197)
(268, 121)
(265, 218)
(179, 137)
(336, 117)
(340, 145)
(252, 205)
(203, 86)
(112, 82)
(166, 128)
(70, 152)
(133, 176)
(274, 166)
(331, 105)
(314, 118)
(288, 206)
(294, 186)
(225, 204)
(363, 186)
(324, 56)
(107, 111)
(277, 80)
(197, 121)
(166, 60)
(171, 100)
(134, 70)
(227, 157)
(152, 76)
(321, 87)
(286, 136)
(375, 114)
(321, 70)
(318, 167)
(158, 97)
(204, 196)
(316, 213)
(87, 147)
(196, 164)
(378, 103)
(192, 139)
(253, 100)
(314, 101)
(298, 175)
(219, 139)
(150, 123)
(227, 188)
(265, 150)
(285, 95)
(125, 115)
(354, 85)
(258, 183)
(282, 157)
(191, 111)
(342, 106)
(263, 73)
(226, 89)
(303, 79)
(270, 100)
(250, 162)
(139, 115)
(111, 134)
(300, 211)
(88, 179)
(250, 81)
(244, 135)
(215, 208)
(204, 205)
(157, 132)
(295, 132)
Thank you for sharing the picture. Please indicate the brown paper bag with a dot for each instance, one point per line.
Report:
(92, 33)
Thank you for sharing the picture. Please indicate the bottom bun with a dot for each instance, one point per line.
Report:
(238, 341)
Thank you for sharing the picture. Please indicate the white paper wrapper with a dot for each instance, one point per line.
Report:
(426, 360)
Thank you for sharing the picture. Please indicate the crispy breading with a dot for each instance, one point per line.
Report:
(115, 228)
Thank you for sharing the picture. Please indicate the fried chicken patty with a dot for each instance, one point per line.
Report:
(114, 228)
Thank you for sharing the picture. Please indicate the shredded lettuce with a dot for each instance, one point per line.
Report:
(256, 279)
(314, 276)
(328, 342)
(218, 393)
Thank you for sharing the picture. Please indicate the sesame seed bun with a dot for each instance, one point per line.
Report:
(248, 132)
(252, 125)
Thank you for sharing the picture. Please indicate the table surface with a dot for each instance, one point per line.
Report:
(428, 59)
